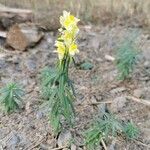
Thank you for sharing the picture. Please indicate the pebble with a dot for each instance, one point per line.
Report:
(64, 138)
(13, 141)
(138, 93)
(117, 104)
(73, 147)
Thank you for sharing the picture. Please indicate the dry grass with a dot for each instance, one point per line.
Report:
(103, 11)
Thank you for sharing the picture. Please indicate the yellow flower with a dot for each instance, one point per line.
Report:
(68, 21)
(67, 37)
(60, 49)
(73, 49)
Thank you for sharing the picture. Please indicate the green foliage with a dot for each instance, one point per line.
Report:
(126, 58)
(61, 105)
(130, 131)
(58, 89)
(107, 126)
(93, 136)
(110, 125)
(102, 128)
(86, 65)
(11, 97)
(47, 77)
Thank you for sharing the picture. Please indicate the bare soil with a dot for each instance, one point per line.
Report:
(29, 128)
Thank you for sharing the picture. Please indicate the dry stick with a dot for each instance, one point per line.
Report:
(141, 143)
(104, 145)
(59, 148)
(97, 103)
(145, 102)
(36, 144)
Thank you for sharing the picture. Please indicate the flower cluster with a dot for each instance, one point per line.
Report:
(66, 43)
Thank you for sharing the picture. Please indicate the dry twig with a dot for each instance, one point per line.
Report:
(59, 148)
(143, 101)
(104, 145)
(97, 103)
(139, 142)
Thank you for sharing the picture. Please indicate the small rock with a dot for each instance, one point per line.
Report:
(73, 147)
(16, 39)
(22, 36)
(52, 143)
(113, 145)
(138, 93)
(3, 132)
(64, 138)
(109, 58)
(146, 132)
(101, 109)
(118, 90)
(13, 141)
(142, 93)
(39, 115)
(28, 107)
(146, 53)
(44, 146)
(117, 104)
(147, 64)
(31, 64)
(43, 111)
(2, 64)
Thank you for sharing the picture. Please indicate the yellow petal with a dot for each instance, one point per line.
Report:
(73, 49)
(60, 49)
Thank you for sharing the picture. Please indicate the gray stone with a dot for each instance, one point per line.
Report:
(147, 64)
(142, 93)
(64, 138)
(117, 90)
(138, 93)
(2, 64)
(146, 132)
(44, 146)
(112, 146)
(13, 141)
(146, 53)
(39, 115)
(31, 64)
(3, 132)
(117, 104)
(73, 147)
(101, 109)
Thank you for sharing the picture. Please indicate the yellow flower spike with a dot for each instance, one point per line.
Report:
(66, 42)
(73, 49)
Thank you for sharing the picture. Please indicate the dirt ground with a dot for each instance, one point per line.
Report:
(30, 128)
